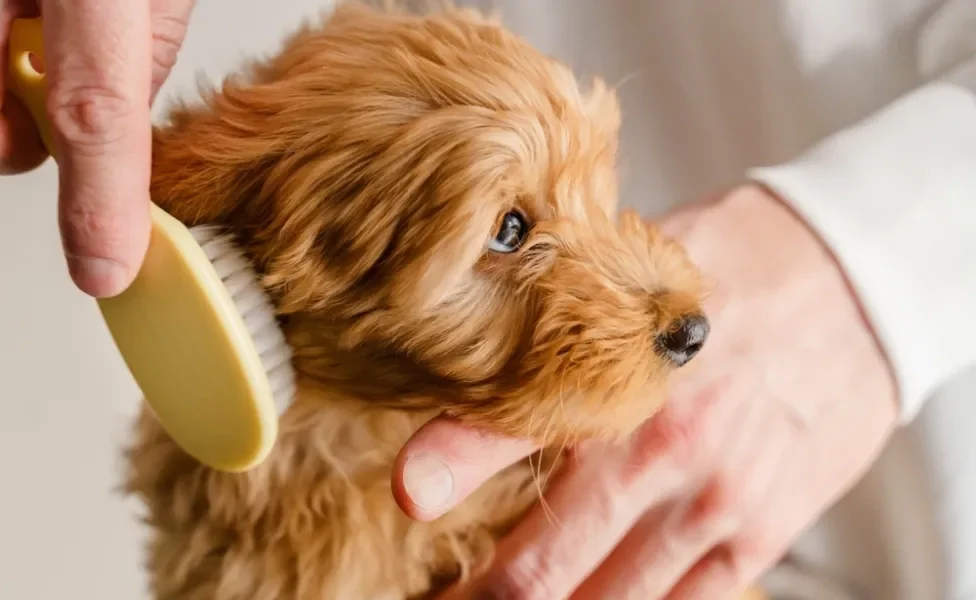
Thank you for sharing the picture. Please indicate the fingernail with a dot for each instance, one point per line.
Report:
(99, 277)
(428, 482)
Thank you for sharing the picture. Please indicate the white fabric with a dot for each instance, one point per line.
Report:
(838, 94)
(895, 198)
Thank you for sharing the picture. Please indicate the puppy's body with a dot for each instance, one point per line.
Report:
(431, 204)
(317, 521)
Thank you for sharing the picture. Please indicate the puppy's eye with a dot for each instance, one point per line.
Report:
(511, 234)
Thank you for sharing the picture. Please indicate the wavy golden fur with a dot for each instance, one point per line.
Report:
(365, 170)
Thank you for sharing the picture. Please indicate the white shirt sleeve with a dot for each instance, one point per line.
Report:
(894, 197)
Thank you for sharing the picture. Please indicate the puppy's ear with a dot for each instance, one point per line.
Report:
(368, 210)
(210, 159)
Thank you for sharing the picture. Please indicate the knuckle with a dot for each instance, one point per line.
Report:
(90, 117)
(737, 568)
(94, 232)
(720, 502)
(164, 58)
(758, 547)
(723, 564)
(529, 579)
(168, 32)
(672, 435)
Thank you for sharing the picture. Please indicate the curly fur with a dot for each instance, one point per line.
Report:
(363, 169)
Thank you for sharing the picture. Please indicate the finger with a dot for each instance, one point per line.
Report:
(99, 59)
(658, 551)
(20, 144)
(749, 506)
(714, 578)
(169, 22)
(587, 511)
(445, 461)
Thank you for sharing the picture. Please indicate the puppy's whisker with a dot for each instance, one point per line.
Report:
(535, 467)
(532, 466)
(565, 439)
(544, 481)
(555, 461)
(626, 79)
(540, 482)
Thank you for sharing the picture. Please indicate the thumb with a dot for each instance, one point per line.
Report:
(99, 57)
(445, 461)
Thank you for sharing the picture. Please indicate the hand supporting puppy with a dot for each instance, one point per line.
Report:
(782, 412)
(105, 61)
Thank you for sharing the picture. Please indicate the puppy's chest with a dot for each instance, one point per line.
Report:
(317, 520)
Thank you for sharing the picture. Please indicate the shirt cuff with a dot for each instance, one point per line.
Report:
(894, 198)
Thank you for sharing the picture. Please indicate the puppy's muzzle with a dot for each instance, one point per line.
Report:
(682, 342)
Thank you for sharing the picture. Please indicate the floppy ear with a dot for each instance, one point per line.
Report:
(208, 161)
(212, 157)
(373, 209)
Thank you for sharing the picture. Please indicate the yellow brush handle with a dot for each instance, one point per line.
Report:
(26, 66)
(176, 326)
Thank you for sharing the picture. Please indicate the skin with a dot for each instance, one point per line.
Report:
(789, 403)
(105, 62)
(783, 411)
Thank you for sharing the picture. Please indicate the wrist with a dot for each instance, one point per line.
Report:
(748, 241)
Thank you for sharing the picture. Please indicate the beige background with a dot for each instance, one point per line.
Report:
(67, 398)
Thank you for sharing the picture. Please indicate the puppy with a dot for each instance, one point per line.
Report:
(431, 204)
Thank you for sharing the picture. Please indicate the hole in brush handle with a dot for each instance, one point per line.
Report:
(26, 73)
(33, 64)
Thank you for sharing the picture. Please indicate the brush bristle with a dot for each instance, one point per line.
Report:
(255, 307)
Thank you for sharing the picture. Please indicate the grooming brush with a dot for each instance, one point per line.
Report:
(196, 329)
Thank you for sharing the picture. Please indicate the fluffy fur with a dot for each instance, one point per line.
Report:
(364, 169)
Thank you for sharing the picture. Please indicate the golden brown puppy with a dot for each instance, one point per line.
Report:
(431, 204)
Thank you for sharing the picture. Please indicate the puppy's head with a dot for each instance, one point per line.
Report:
(432, 206)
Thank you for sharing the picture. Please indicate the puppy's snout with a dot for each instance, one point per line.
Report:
(681, 343)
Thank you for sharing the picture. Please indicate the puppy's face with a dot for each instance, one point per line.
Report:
(432, 205)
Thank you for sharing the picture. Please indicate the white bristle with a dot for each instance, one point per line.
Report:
(237, 282)
(248, 299)
(256, 309)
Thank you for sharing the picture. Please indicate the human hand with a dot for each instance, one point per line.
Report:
(105, 61)
(785, 408)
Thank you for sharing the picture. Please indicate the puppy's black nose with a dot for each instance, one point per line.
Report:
(682, 343)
